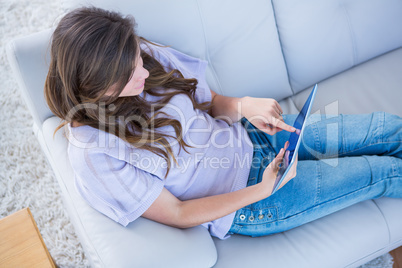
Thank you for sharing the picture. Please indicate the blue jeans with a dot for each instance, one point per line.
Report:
(343, 160)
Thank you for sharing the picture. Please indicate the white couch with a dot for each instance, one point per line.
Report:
(259, 48)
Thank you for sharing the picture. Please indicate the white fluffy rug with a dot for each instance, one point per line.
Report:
(26, 179)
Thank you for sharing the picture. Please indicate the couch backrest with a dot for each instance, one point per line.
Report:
(322, 38)
(238, 39)
(251, 46)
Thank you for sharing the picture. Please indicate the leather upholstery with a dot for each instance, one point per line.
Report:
(323, 38)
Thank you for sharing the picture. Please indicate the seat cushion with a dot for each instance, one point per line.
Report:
(391, 209)
(346, 238)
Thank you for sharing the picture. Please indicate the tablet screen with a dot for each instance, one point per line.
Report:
(298, 124)
(295, 139)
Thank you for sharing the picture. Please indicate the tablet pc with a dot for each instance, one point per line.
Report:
(294, 140)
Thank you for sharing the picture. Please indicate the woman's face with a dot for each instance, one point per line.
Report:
(136, 83)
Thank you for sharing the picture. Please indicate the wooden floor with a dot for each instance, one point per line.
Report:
(397, 255)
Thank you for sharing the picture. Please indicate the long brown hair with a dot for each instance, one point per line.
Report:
(93, 49)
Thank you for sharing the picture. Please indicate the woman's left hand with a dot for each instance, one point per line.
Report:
(265, 114)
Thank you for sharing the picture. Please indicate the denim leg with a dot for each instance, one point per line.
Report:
(320, 189)
(351, 170)
(329, 136)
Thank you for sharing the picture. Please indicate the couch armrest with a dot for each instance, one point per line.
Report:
(143, 243)
(29, 59)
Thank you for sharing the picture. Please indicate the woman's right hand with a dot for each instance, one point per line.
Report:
(271, 172)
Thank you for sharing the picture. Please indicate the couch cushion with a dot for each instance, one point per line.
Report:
(322, 38)
(333, 241)
(244, 52)
(107, 243)
(372, 86)
(391, 209)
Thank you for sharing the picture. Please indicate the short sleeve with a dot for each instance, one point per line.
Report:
(189, 66)
(116, 188)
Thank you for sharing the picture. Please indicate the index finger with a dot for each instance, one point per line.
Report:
(285, 126)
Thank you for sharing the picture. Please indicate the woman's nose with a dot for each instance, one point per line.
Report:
(144, 73)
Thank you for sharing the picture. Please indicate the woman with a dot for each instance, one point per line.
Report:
(147, 137)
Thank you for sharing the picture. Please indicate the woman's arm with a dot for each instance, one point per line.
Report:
(226, 108)
(263, 113)
(169, 210)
